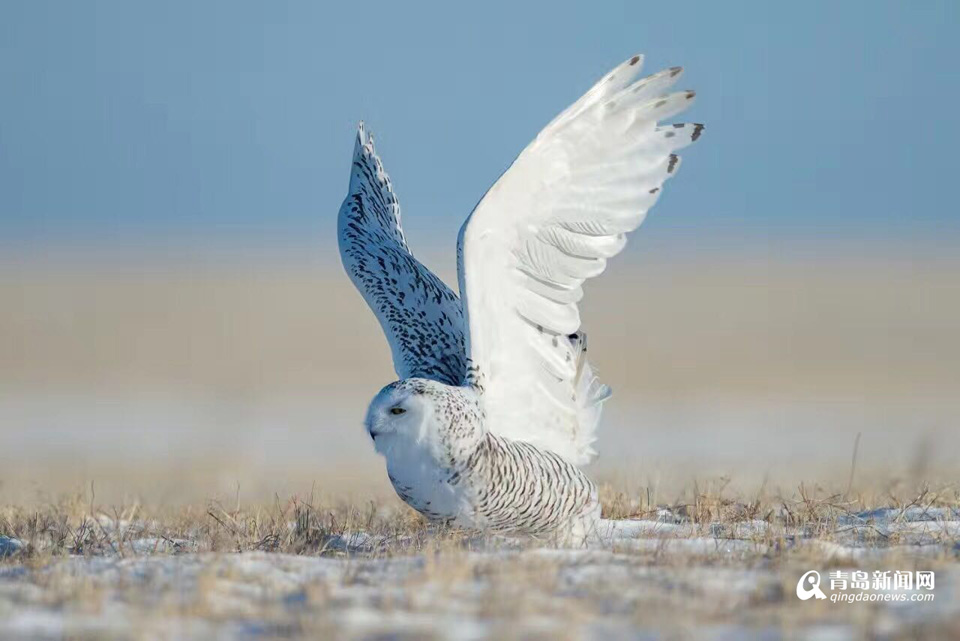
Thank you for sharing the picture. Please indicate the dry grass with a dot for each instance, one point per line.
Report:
(815, 507)
(394, 574)
(76, 524)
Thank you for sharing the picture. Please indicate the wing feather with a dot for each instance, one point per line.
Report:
(547, 225)
(421, 317)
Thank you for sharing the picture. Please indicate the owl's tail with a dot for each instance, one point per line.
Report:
(591, 394)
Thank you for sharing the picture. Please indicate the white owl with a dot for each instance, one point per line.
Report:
(496, 405)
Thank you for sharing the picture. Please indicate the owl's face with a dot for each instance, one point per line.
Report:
(422, 417)
(401, 415)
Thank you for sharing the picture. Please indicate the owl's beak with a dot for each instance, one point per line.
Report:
(372, 430)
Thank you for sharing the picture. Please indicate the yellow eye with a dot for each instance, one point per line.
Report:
(397, 410)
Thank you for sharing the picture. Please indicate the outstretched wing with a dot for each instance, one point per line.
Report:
(420, 315)
(549, 223)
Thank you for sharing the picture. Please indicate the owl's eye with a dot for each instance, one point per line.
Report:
(397, 410)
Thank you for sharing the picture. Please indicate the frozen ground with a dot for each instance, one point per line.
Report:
(227, 574)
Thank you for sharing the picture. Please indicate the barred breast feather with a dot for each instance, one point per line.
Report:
(521, 488)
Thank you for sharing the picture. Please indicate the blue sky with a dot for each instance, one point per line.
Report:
(209, 122)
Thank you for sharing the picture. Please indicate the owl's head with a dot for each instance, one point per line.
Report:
(421, 413)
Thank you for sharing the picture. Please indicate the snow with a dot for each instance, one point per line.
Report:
(637, 578)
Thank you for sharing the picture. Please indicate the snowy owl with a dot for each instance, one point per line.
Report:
(496, 406)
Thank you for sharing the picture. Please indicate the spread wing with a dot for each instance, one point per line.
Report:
(420, 315)
(547, 225)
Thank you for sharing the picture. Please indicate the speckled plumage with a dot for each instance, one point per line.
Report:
(422, 318)
(496, 403)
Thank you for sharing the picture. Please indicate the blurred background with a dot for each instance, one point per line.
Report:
(175, 324)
